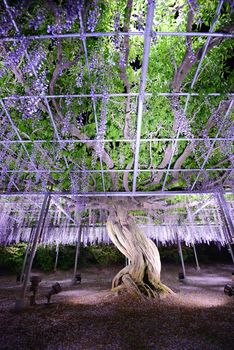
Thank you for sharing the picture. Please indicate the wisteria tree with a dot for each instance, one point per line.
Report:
(70, 100)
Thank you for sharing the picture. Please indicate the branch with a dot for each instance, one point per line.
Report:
(166, 159)
(16, 71)
(60, 66)
(125, 176)
(220, 179)
(190, 57)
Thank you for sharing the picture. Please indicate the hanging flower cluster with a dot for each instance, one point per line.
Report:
(15, 53)
(93, 16)
(15, 227)
(181, 118)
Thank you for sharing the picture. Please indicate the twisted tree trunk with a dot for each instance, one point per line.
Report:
(142, 276)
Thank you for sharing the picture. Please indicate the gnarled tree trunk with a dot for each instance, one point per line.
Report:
(142, 276)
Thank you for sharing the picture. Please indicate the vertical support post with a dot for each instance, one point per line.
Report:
(228, 224)
(226, 215)
(141, 98)
(230, 251)
(56, 258)
(181, 257)
(196, 259)
(26, 255)
(191, 220)
(77, 253)
(223, 227)
(45, 206)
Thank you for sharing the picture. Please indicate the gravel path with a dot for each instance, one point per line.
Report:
(89, 316)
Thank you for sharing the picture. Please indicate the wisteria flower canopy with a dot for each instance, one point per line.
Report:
(116, 99)
(116, 96)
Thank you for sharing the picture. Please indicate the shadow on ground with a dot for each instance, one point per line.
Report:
(88, 316)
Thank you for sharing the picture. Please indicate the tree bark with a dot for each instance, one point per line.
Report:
(142, 276)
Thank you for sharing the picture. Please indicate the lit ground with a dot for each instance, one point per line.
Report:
(88, 316)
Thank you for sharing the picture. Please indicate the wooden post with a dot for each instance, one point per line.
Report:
(77, 253)
(45, 206)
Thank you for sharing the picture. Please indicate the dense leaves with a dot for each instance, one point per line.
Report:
(55, 66)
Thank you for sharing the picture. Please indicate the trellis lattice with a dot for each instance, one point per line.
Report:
(47, 161)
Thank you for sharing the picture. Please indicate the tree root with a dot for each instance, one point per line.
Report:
(140, 289)
(164, 289)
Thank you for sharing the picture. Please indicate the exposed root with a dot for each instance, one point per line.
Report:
(131, 286)
(140, 289)
(164, 289)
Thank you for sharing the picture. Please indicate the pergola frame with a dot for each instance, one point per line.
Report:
(52, 196)
(102, 34)
(148, 33)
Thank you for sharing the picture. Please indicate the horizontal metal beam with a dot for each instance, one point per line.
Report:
(131, 94)
(86, 171)
(114, 194)
(156, 139)
(109, 34)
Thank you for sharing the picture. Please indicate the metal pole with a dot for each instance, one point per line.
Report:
(26, 255)
(192, 223)
(196, 259)
(56, 259)
(45, 206)
(104, 34)
(226, 215)
(230, 251)
(150, 139)
(228, 225)
(111, 194)
(95, 171)
(118, 94)
(93, 100)
(181, 257)
(77, 253)
(141, 98)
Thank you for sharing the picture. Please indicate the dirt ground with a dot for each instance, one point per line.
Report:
(88, 316)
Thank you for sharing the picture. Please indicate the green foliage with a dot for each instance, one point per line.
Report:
(105, 255)
(170, 253)
(12, 257)
(166, 55)
(66, 257)
(206, 254)
(44, 258)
